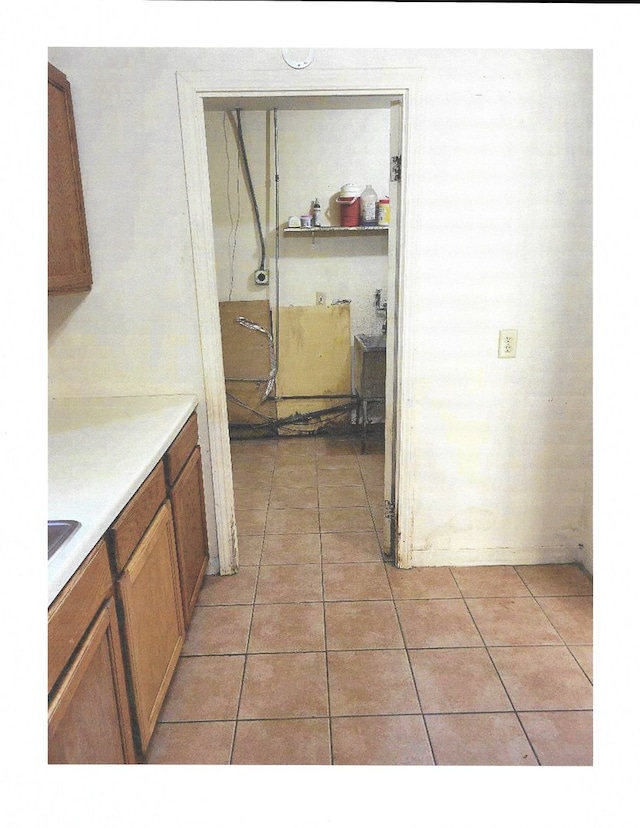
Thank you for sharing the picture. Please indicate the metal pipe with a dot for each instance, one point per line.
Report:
(317, 397)
(277, 252)
(257, 380)
(254, 202)
(274, 343)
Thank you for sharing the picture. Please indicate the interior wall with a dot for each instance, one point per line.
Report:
(505, 448)
(499, 220)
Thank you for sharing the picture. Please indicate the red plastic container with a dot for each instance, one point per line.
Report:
(349, 212)
(349, 201)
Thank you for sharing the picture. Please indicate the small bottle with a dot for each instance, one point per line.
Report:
(368, 201)
(315, 212)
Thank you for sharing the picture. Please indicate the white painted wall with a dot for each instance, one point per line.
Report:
(502, 185)
(505, 445)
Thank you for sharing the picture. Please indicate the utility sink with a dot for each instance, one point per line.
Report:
(60, 531)
(370, 352)
(370, 370)
(372, 342)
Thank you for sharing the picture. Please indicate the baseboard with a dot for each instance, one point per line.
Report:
(510, 556)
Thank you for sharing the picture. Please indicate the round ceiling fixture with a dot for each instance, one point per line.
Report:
(297, 58)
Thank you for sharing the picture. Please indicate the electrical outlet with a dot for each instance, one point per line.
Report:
(261, 277)
(507, 343)
(321, 298)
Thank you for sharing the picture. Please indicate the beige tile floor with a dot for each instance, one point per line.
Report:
(320, 652)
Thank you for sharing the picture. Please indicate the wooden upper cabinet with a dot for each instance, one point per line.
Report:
(69, 261)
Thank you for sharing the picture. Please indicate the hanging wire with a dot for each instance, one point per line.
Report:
(247, 323)
(232, 239)
(288, 424)
(252, 326)
(276, 164)
(251, 190)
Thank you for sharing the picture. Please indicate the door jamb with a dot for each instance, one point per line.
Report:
(192, 89)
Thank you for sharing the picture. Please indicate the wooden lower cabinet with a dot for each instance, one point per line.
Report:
(153, 621)
(187, 501)
(117, 629)
(89, 721)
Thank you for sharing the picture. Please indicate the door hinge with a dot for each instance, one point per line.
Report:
(389, 510)
(396, 167)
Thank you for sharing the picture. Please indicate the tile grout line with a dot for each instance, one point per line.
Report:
(562, 638)
(375, 528)
(324, 622)
(413, 676)
(253, 607)
(535, 598)
(486, 647)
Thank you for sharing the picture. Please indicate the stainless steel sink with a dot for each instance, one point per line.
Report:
(60, 531)
(370, 353)
(370, 366)
(372, 342)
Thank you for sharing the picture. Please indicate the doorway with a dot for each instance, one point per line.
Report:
(194, 92)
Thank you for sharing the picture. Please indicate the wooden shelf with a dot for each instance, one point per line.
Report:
(334, 231)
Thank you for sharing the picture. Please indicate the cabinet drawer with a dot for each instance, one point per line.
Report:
(181, 448)
(135, 518)
(73, 610)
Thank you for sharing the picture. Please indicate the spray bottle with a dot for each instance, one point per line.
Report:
(315, 212)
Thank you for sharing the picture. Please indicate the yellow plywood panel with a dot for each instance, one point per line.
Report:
(245, 355)
(315, 361)
(315, 351)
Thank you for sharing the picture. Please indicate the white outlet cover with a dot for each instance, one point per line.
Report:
(507, 343)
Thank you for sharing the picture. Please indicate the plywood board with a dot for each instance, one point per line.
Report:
(315, 358)
(245, 355)
(315, 351)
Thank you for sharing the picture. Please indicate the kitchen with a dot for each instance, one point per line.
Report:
(135, 334)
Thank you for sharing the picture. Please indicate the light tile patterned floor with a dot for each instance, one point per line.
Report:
(320, 652)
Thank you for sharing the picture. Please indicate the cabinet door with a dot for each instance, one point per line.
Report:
(89, 719)
(69, 262)
(149, 590)
(187, 500)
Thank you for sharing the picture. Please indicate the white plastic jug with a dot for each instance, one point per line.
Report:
(368, 201)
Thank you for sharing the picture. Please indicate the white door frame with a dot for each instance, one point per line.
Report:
(193, 88)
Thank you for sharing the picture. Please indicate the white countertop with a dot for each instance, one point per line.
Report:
(100, 451)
